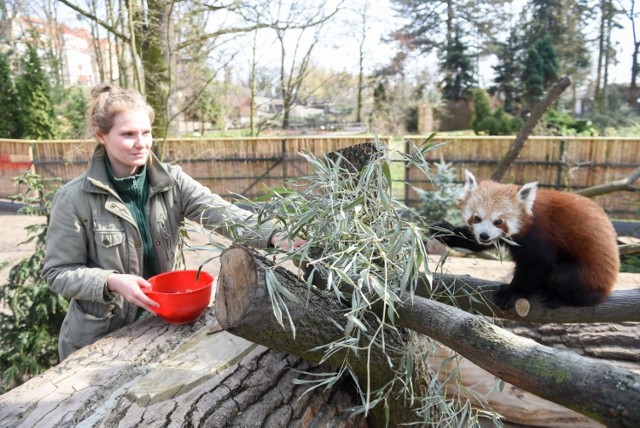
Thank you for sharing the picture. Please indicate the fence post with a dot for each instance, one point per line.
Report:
(560, 161)
(283, 147)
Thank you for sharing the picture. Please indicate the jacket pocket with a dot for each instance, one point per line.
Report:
(108, 238)
(110, 249)
(86, 322)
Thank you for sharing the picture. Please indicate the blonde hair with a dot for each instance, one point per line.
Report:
(106, 102)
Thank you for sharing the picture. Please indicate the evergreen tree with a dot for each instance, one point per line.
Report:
(549, 58)
(29, 330)
(546, 20)
(509, 71)
(9, 125)
(36, 111)
(563, 23)
(481, 121)
(70, 104)
(458, 70)
(540, 70)
(379, 97)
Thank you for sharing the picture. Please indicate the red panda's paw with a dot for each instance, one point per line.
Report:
(550, 300)
(440, 228)
(504, 297)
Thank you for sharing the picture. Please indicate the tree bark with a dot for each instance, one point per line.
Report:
(625, 184)
(243, 308)
(156, 374)
(540, 108)
(607, 393)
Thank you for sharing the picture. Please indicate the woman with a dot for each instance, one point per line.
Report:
(118, 223)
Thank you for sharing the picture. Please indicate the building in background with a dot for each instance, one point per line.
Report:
(68, 53)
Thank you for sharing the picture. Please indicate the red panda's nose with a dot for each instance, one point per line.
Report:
(484, 236)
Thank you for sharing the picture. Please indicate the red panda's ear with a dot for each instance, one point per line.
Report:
(527, 195)
(470, 184)
(470, 181)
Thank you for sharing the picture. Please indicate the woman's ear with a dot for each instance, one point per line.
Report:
(99, 138)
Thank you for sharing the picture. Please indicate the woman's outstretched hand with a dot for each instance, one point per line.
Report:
(280, 240)
(130, 288)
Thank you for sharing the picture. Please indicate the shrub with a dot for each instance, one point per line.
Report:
(440, 204)
(485, 122)
(29, 333)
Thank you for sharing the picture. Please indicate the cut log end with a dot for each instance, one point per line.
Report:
(522, 307)
(235, 284)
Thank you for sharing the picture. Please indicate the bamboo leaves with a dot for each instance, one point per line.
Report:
(361, 249)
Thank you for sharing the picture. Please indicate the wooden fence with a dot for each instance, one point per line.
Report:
(562, 163)
(246, 166)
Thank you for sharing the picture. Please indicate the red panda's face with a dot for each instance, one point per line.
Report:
(494, 210)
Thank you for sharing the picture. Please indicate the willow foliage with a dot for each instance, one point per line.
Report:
(363, 249)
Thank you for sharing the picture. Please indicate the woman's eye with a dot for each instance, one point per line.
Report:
(497, 222)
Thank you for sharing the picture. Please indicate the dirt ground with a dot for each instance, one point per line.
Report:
(13, 233)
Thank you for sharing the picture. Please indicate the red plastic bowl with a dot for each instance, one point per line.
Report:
(183, 295)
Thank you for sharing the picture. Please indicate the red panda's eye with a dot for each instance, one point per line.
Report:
(497, 222)
(477, 219)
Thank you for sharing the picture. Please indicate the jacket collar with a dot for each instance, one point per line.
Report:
(97, 179)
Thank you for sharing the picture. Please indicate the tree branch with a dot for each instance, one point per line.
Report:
(476, 296)
(97, 20)
(625, 184)
(599, 390)
(606, 393)
(540, 108)
(243, 307)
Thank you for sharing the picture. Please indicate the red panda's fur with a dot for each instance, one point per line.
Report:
(565, 244)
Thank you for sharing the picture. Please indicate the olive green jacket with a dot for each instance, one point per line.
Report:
(92, 234)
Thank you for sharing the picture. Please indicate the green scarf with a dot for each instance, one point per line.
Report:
(134, 191)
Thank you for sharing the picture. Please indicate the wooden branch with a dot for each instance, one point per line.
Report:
(625, 184)
(628, 249)
(599, 390)
(540, 108)
(243, 307)
(607, 393)
(620, 306)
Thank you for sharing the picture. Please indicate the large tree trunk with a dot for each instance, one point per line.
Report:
(155, 374)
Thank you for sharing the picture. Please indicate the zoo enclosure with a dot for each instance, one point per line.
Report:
(246, 166)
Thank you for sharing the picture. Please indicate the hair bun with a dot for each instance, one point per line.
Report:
(102, 88)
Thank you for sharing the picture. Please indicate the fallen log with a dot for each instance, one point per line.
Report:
(156, 374)
(607, 393)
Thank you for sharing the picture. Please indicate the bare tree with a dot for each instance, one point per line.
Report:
(298, 27)
(631, 14)
(147, 31)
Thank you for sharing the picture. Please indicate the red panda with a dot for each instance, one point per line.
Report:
(563, 245)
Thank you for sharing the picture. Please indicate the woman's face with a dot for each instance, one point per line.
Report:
(128, 143)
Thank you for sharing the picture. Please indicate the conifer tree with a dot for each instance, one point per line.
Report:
(540, 70)
(508, 71)
(36, 111)
(9, 125)
(458, 70)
